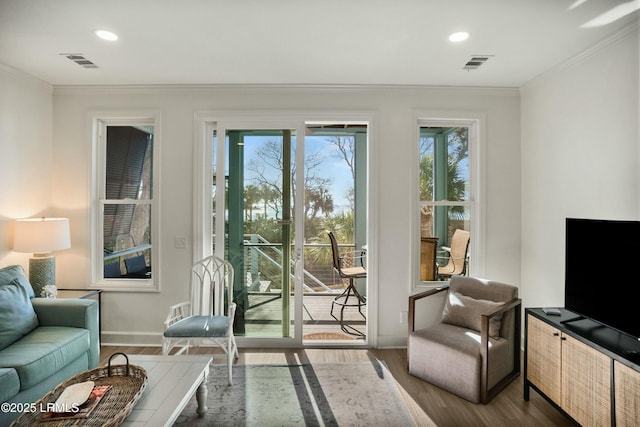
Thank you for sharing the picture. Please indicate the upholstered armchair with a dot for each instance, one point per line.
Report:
(474, 351)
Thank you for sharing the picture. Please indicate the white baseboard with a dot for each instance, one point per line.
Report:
(131, 339)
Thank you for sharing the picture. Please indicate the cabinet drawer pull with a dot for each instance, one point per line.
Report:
(556, 334)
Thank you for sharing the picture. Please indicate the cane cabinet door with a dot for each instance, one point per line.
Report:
(544, 358)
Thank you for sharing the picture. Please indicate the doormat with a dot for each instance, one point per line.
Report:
(328, 336)
(328, 394)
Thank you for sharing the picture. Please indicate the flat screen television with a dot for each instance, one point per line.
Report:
(602, 278)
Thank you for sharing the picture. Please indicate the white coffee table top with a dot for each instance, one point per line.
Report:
(172, 381)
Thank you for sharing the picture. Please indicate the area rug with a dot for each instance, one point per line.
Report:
(330, 394)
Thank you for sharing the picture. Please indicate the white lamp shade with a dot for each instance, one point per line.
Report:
(40, 235)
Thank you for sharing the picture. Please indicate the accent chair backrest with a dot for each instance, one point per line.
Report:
(488, 290)
(211, 280)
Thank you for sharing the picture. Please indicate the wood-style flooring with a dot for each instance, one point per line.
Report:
(429, 405)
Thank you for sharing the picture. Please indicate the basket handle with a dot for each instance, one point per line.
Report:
(114, 355)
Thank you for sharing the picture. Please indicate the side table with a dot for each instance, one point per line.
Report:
(84, 294)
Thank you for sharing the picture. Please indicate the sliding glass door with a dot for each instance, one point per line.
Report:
(258, 232)
(276, 188)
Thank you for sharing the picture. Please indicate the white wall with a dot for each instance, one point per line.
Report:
(579, 157)
(25, 155)
(394, 147)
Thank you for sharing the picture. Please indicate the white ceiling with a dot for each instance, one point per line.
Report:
(301, 41)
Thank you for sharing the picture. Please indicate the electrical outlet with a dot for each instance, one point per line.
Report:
(404, 317)
(180, 242)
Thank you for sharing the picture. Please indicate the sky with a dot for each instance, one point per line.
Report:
(332, 167)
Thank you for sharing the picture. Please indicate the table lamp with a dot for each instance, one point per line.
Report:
(41, 236)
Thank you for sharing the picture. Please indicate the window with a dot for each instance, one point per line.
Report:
(124, 209)
(445, 201)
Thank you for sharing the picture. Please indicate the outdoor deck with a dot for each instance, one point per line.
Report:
(265, 311)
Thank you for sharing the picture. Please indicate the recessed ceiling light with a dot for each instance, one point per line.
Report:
(106, 35)
(459, 36)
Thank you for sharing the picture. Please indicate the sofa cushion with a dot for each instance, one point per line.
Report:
(7, 274)
(17, 317)
(44, 351)
(464, 311)
(10, 383)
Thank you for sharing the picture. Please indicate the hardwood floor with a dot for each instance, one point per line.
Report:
(429, 405)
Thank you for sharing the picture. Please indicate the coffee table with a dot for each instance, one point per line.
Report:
(172, 381)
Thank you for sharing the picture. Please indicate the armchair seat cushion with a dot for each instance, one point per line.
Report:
(199, 326)
(46, 350)
(448, 356)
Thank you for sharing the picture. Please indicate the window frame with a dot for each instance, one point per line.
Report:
(99, 124)
(475, 124)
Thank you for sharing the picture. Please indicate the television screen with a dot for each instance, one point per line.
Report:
(602, 281)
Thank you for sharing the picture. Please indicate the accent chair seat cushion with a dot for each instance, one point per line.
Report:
(44, 351)
(199, 326)
(448, 356)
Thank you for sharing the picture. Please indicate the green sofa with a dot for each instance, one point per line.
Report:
(43, 342)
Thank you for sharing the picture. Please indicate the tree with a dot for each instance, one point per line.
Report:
(267, 168)
(251, 197)
(317, 200)
(344, 144)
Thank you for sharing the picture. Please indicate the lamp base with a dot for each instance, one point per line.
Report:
(42, 272)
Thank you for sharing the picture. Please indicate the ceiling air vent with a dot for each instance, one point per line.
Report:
(475, 62)
(79, 59)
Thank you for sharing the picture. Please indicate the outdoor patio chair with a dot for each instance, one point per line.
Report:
(350, 297)
(112, 270)
(136, 266)
(457, 259)
(201, 320)
(474, 351)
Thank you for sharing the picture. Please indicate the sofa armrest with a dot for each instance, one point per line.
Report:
(75, 313)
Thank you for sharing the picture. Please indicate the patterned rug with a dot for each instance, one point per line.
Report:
(337, 394)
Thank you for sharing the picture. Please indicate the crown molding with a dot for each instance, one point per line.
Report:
(279, 88)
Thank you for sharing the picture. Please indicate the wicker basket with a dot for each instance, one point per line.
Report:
(127, 381)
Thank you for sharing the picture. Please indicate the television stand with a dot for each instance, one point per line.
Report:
(575, 319)
(588, 371)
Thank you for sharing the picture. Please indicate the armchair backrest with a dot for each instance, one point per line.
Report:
(211, 277)
(488, 290)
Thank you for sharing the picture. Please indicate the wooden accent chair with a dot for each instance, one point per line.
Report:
(474, 351)
(201, 320)
(457, 259)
